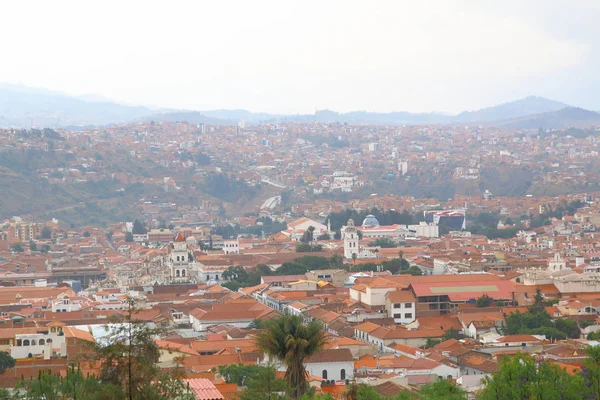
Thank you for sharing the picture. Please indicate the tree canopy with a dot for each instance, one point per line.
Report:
(288, 340)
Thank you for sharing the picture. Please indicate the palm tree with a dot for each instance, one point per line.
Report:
(290, 341)
(311, 230)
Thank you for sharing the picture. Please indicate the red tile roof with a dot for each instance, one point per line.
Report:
(204, 389)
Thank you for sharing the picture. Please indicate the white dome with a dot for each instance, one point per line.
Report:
(370, 222)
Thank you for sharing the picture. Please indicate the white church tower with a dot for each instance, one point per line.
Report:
(557, 264)
(179, 262)
(350, 236)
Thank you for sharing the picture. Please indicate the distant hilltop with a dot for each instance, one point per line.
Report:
(24, 107)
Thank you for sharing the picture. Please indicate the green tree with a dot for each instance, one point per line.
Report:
(139, 228)
(291, 342)
(6, 361)
(128, 355)
(86, 234)
(257, 324)
(415, 271)
(292, 268)
(484, 301)
(336, 261)
(313, 262)
(383, 243)
(129, 237)
(591, 372)
(45, 387)
(264, 385)
(17, 247)
(442, 389)
(431, 342)
(522, 377)
(308, 248)
(32, 246)
(46, 233)
(593, 336)
(308, 235)
(453, 334)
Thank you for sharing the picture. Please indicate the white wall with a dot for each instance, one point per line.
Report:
(333, 369)
(403, 310)
(201, 326)
(376, 297)
(58, 342)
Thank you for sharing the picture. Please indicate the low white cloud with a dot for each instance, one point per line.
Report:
(282, 56)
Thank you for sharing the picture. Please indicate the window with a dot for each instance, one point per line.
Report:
(408, 305)
(177, 274)
(33, 342)
(397, 315)
(408, 315)
(42, 342)
(26, 342)
(324, 374)
(343, 374)
(49, 341)
(183, 272)
(396, 305)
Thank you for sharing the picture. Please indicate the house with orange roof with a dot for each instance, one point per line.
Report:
(408, 351)
(203, 389)
(53, 340)
(331, 364)
(475, 365)
(475, 324)
(372, 292)
(172, 353)
(357, 348)
(518, 340)
(238, 313)
(401, 305)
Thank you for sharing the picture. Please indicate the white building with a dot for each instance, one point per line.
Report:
(350, 237)
(331, 364)
(231, 246)
(401, 305)
(47, 344)
(557, 264)
(179, 261)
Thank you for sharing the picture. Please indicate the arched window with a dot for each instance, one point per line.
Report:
(177, 273)
(183, 272)
(343, 374)
(518, 280)
(26, 342)
(42, 342)
(33, 342)
(324, 374)
(49, 341)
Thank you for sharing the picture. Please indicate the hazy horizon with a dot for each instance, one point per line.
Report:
(295, 57)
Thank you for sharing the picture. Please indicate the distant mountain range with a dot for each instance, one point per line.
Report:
(22, 106)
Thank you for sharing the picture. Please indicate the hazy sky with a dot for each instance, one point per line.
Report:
(294, 56)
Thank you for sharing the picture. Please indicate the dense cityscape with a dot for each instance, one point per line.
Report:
(225, 228)
(317, 200)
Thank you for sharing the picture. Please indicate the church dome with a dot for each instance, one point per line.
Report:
(370, 222)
